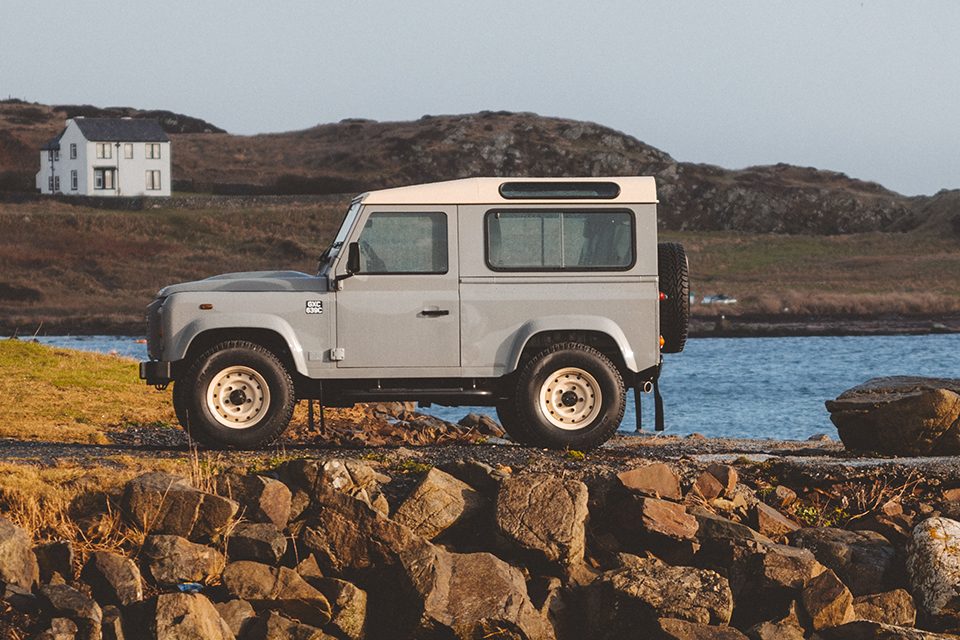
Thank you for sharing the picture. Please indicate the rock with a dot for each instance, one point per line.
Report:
(775, 631)
(351, 477)
(478, 475)
(308, 568)
(826, 602)
(726, 475)
(866, 630)
(787, 568)
(652, 516)
(238, 614)
(114, 579)
(711, 527)
(900, 416)
(261, 499)
(257, 541)
(273, 626)
(349, 607)
(707, 486)
(439, 502)
(781, 497)
(112, 625)
(771, 523)
(280, 589)
(544, 516)
(864, 560)
(182, 616)
(19, 598)
(172, 560)
(166, 503)
(469, 595)
(933, 566)
(892, 607)
(349, 539)
(60, 629)
(55, 557)
(18, 564)
(657, 480)
(674, 629)
(60, 600)
(624, 600)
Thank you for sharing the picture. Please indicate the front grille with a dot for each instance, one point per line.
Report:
(154, 331)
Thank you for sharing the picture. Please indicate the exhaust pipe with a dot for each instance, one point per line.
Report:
(647, 386)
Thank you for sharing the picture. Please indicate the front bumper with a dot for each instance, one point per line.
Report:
(156, 372)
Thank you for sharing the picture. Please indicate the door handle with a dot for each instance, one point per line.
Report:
(430, 313)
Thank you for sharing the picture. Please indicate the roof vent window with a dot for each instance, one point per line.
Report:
(559, 190)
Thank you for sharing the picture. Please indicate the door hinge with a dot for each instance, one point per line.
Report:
(336, 354)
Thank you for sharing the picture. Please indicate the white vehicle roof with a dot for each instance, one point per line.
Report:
(632, 189)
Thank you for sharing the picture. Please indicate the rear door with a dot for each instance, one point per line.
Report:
(402, 309)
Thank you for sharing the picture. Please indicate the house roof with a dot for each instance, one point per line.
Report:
(121, 130)
(53, 143)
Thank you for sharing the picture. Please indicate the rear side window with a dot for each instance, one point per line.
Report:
(560, 240)
(401, 242)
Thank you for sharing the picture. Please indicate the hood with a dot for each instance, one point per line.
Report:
(251, 281)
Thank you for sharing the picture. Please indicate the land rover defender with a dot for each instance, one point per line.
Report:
(546, 298)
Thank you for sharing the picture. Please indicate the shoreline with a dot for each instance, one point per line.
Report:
(718, 325)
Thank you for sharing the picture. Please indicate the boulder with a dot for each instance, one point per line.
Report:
(674, 629)
(900, 416)
(238, 614)
(867, 630)
(544, 516)
(261, 499)
(864, 560)
(166, 503)
(771, 523)
(478, 475)
(279, 589)
(657, 480)
(180, 616)
(257, 541)
(775, 631)
(439, 502)
(349, 604)
(727, 477)
(60, 629)
(18, 563)
(933, 566)
(714, 528)
(707, 486)
(623, 600)
(172, 560)
(781, 497)
(111, 628)
(352, 477)
(55, 557)
(114, 579)
(826, 602)
(891, 607)
(273, 626)
(469, 595)
(653, 517)
(63, 601)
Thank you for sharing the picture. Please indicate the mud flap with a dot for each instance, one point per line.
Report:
(637, 390)
(657, 404)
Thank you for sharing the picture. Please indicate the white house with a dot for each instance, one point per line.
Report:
(107, 157)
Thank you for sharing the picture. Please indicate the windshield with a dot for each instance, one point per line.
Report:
(328, 256)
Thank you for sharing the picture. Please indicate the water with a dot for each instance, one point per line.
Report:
(735, 387)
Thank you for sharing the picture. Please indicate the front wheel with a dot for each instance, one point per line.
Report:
(237, 394)
(570, 396)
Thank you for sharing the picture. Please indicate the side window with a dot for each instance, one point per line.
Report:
(558, 240)
(404, 243)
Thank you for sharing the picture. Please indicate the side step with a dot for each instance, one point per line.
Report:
(440, 396)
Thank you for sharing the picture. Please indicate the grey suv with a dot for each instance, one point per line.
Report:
(545, 298)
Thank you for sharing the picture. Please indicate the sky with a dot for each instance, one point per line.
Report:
(870, 88)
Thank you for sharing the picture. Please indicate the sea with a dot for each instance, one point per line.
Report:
(729, 387)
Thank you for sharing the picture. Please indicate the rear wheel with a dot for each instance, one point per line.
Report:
(569, 396)
(512, 423)
(237, 394)
(674, 276)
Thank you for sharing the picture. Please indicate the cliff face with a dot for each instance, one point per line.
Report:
(356, 155)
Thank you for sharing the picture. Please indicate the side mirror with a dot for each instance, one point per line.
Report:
(353, 258)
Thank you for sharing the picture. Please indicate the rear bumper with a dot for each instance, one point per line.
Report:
(156, 372)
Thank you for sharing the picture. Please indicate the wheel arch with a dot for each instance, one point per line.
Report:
(601, 333)
(275, 335)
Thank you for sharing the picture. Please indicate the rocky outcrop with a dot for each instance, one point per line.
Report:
(900, 416)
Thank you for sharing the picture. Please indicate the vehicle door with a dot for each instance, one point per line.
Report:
(401, 309)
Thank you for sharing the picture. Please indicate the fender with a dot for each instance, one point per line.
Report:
(184, 336)
(597, 324)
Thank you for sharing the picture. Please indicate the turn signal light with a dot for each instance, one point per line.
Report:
(663, 296)
(662, 342)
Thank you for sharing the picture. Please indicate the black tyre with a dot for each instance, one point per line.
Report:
(512, 423)
(237, 394)
(673, 270)
(569, 396)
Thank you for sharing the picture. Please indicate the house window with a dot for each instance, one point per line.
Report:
(73, 180)
(73, 150)
(153, 180)
(153, 151)
(104, 152)
(103, 178)
(56, 155)
(128, 151)
(50, 184)
(56, 183)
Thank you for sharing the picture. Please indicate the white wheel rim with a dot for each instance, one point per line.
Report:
(570, 399)
(238, 397)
